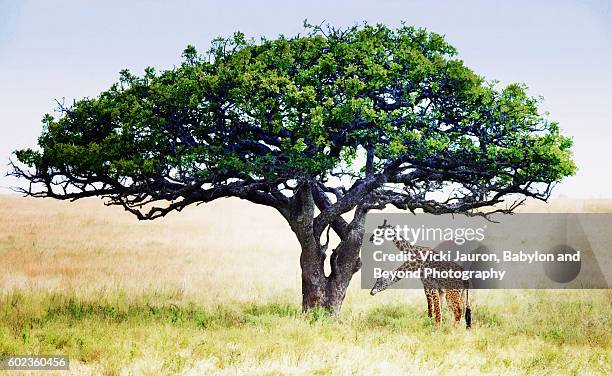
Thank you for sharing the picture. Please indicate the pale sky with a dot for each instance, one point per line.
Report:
(72, 49)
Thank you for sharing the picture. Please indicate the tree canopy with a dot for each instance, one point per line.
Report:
(249, 119)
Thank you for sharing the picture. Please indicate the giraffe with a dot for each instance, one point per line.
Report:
(435, 289)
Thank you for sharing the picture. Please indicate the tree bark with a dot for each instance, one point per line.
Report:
(319, 290)
(314, 281)
(345, 261)
(328, 292)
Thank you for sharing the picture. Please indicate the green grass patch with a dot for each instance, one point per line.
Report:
(112, 332)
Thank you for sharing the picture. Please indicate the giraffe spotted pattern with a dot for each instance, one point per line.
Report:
(435, 288)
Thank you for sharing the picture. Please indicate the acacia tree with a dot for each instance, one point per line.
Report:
(323, 127)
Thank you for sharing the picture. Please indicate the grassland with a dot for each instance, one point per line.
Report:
(215, 290)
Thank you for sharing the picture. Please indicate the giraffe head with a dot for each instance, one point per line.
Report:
(381, 284)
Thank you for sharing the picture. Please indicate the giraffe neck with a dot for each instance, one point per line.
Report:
(417, 251)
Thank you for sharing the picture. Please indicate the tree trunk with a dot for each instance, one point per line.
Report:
(319, 290)
(314, 281)
(328, 292)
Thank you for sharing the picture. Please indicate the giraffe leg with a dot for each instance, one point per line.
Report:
(436, 306)
(453, 298)
(428, 295)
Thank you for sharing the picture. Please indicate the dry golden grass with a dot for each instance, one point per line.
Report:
(200, 253)
(215, 290)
